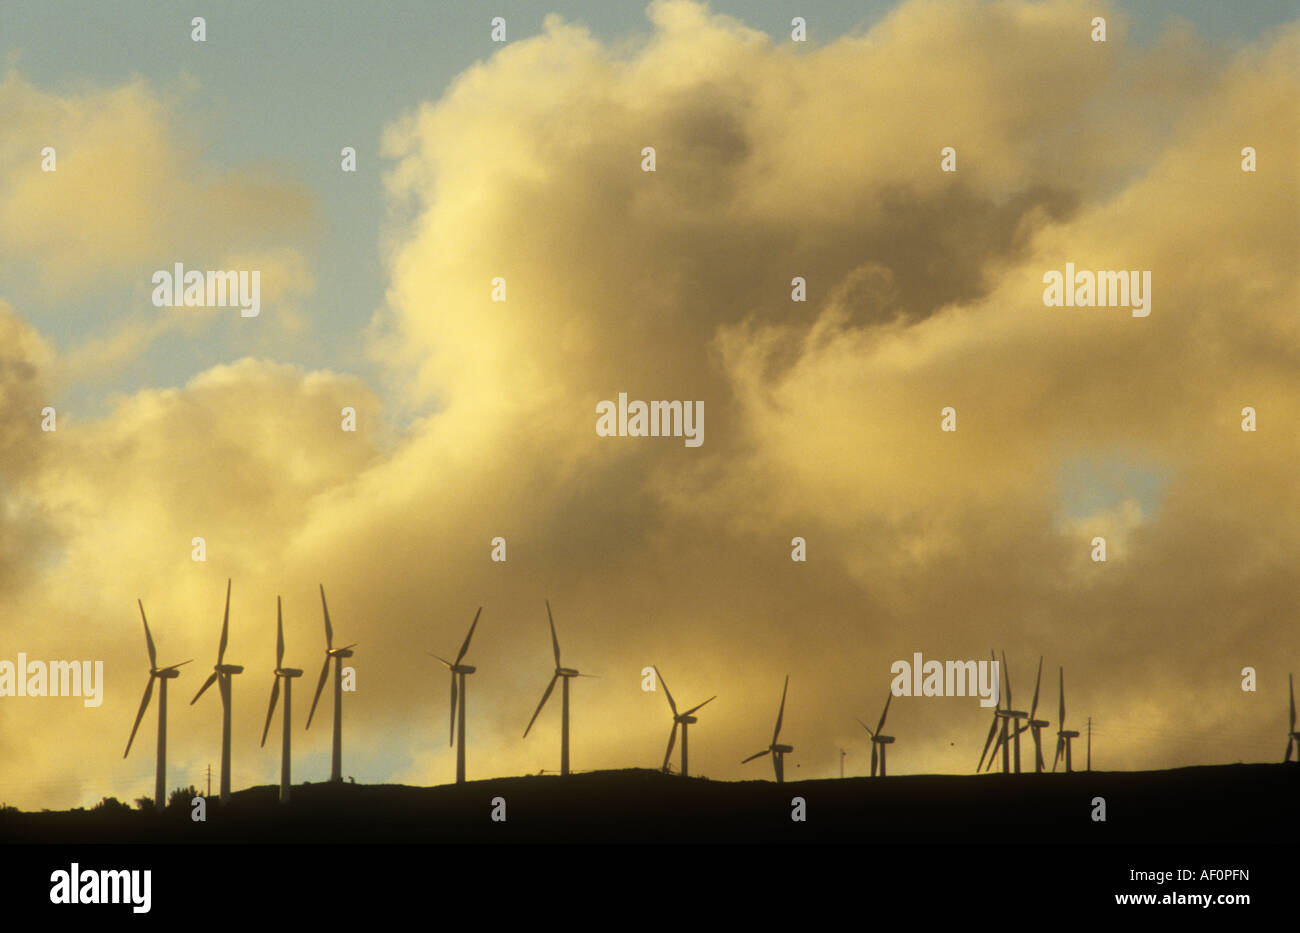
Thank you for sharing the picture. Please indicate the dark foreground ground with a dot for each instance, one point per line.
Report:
(1218, 804)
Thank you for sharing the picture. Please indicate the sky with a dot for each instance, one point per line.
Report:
(475, 418)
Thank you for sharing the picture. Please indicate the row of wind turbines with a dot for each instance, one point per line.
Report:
(221, 675)
(1006, 726)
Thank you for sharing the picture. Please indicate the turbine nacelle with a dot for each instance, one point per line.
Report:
(340, 652)
(229, 668)
(288, 672)
(1068, 734)
(686, 720)
(1039, 723)
(167, 673)
(883, 739)
(567, 672)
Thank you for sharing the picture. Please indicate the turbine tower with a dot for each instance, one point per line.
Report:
(162, 674)
(778, 751)
(1063, 736)
(458, 673)
(288, 673)
(878, 741)
(1292, 737)
(565, 674)
(685, 720)
(221, 674)
(338, 654)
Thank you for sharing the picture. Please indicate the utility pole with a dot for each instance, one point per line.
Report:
(209, 779)
(842, 754)
(1089, 743)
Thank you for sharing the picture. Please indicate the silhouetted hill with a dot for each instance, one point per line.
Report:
(1214, 804)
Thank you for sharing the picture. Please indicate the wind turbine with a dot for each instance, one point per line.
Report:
(1013, 716)
(288, 673)
(685, 720)
(878, 741)
(1063, 736)
(1291, 736)
(565, 673)
(998, 718)
(778, 751)
(162, 674)
(221, 674)
(1037, 725)
(458, 672)
(338, 654)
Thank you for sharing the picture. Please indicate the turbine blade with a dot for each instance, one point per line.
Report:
(759, 755)
(555, 642)
(1006, 678)
(206, 684)
(664, 684)
(781, 712)
(320, 685)
(778, 766)
(144, 704)
(451, 735)
(1038, 749)
(701, 706)
(1290, 744)
(225, 627)
(881, 725)
(545, 696)
(329, 629)
(1060, 747)
(1037, 680)
(279, 635)
(465, 647)
(174, 666)
(672, 740)
(148, 639)
(275, 695)
(1061, 723)
(1291, 682)
(993, 728)
(444, 661)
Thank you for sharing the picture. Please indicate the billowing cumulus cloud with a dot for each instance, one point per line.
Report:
(822, 417)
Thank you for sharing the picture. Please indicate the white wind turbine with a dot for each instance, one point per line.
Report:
(1037, 725)
(685, 720)
(163, 674)
(778, 751)
(1063, 735)
(288, 673)
(458, 673)
(1012, 717)
(221, 674)
(999, 717)
(338, 654)
(565, 674)
(879, 741)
